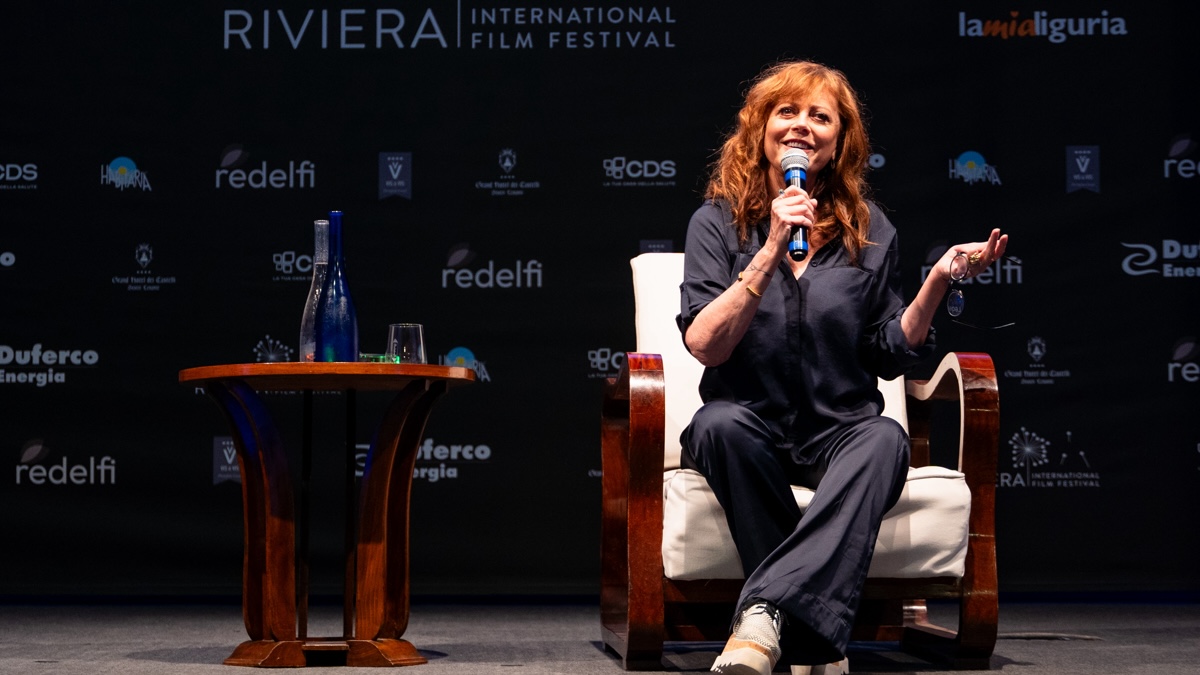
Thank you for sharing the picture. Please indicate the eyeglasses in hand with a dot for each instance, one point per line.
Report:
(960, 269)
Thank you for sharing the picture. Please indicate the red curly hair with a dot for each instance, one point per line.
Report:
(739, 175)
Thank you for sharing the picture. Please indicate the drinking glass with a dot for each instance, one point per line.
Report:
(406, 343)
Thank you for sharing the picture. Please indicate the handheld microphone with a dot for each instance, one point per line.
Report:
(795, 172)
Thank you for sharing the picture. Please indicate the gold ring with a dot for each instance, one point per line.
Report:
(974, 257)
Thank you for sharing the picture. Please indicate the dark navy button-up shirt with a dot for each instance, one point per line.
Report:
(808, 363)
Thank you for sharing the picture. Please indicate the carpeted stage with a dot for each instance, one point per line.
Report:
(1036, 638)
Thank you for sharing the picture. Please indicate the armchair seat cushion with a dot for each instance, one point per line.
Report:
(923, 536)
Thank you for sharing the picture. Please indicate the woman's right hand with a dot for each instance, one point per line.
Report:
(792, 208)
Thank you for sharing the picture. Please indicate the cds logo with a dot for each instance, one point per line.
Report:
(15, 172)
(1177, 162)
(620, 167)
(1183, 366)
(297, 176)
(123, 173)
(272, 351)
(971, 167)
(605, 362)
(18, 176)
(28, 361)
(30, 470)
(1145, 257)
(289, 262)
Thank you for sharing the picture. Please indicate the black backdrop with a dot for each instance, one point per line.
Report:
(560, 139)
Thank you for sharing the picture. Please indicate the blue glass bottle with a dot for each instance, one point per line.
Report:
(336, 321)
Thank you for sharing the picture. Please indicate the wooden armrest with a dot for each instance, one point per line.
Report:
(633, 418)
(970, 379)
(633, 421)
(636, 401)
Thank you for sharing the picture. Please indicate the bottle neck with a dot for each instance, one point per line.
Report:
(335, 238)
(321, 242)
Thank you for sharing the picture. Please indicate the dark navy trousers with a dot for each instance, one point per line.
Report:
(811, 567)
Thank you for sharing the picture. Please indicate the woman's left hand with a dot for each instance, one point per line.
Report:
(966, 260)
(970, 260)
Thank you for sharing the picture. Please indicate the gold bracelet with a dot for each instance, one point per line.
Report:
(749, 290)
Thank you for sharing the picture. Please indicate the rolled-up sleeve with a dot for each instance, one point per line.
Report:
(885, 349)
(708, 264)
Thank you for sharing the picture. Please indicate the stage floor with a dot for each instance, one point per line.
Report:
(517, 639)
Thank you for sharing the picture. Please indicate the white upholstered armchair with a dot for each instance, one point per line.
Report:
(670, 571)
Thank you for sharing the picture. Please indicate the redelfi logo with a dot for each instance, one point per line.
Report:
(31, 471)
(1184, 366)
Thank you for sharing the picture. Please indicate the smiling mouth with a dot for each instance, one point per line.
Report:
(799, 145)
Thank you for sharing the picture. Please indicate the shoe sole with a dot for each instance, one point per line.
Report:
(743, 661)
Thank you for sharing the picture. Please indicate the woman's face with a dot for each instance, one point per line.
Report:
(810, 124)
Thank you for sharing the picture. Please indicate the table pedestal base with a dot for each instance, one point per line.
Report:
(275, 574)
(383, 653)
(291, 653)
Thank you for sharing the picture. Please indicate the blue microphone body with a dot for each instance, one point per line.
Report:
(795, 172)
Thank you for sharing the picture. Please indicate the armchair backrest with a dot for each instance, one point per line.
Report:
(656, 280)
